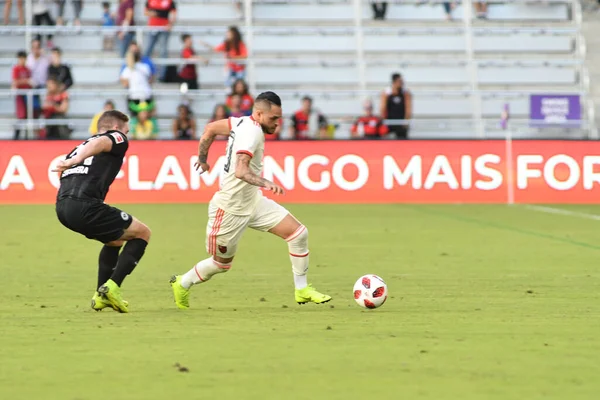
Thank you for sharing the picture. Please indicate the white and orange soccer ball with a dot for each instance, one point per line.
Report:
(370, 291)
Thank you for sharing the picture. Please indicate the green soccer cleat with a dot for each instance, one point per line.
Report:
(111, 292)
(99, 303)
(181, 294)
(310, 294)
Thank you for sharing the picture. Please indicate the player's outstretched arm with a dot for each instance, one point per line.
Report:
(211, 131)
(243, 172)
(91, 148)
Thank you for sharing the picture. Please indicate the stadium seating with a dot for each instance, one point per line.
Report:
(309, 47)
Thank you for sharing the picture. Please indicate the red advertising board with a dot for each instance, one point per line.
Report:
(333, 172)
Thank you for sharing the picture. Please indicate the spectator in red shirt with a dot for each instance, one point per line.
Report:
(240, 88)
(188, 73)
(234, 49)
(56, 105)
(308, 123)
(368, 126)
(161, 16)
(21, 79)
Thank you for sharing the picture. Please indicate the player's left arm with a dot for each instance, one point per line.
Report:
(94, 147)
(211, 131)
(243, 172)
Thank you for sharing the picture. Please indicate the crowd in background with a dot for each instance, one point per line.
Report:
(138, 74)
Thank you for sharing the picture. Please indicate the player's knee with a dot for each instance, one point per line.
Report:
(224, 265)
(115, 243)
(143, 232)
(299, 239)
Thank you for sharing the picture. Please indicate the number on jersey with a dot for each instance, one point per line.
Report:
(229, 151)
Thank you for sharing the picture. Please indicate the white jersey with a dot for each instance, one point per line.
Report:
(236, 196)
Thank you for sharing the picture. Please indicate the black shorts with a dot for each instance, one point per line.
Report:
(94, 220)
(401, 131)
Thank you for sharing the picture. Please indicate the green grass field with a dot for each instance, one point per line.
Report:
(486, 302)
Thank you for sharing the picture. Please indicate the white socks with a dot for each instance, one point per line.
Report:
(298, 245)
(202, 272)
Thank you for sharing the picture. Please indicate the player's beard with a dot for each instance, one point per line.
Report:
(267, 130)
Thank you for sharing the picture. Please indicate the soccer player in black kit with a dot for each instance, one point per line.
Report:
(86, 175)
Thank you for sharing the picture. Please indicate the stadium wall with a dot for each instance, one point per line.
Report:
(333, 172)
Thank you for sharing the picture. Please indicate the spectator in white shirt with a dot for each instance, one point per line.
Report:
(136, 77)
(38, 64)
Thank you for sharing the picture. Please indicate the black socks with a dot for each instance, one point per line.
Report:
(128, 260)
(109, 255)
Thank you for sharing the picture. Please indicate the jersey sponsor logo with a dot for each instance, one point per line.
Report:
(77, 170)
(124, 215)
(118, 137)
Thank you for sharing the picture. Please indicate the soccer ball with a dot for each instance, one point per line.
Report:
(370, 291)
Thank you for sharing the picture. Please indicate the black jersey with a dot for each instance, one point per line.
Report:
(90, 179)
(396, 105)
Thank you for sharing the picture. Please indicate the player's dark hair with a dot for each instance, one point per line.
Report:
(22, 54)
(185, 37)
(108, 119)
(396, 76)
(269, 97)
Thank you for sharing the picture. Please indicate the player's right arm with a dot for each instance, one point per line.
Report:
(221, 127)
(100, 144)
(243, 172)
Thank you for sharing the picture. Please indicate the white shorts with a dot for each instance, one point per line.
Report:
(224, 230)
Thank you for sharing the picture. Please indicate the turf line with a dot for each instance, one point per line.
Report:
(561, 211)
(503, 227)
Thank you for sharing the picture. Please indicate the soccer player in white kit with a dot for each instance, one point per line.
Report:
(240, 204)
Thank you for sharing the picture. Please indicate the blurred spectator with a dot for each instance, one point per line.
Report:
(21, 79)
(108, 21)
(448, 7)
(235, 107)
(308, 123)
(188, 73)
(133, 47)
(234, 49)
(8, 6)
(184, 126)
(161, 16)
(109, 105)
(481, 9)
(41, 16)
(368, 126)
(125, 20)
(56, 106)
(137, 77)
(219, 112)
(77, 6)
(240, 88)
(379, 9)
(60, 71)
(38, 64)
(396, 104)
(239, 8)
(143, 126)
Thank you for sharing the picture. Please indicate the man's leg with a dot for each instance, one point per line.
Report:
(137, 235)
(272, 217)
(223, 232)
(107, 262)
